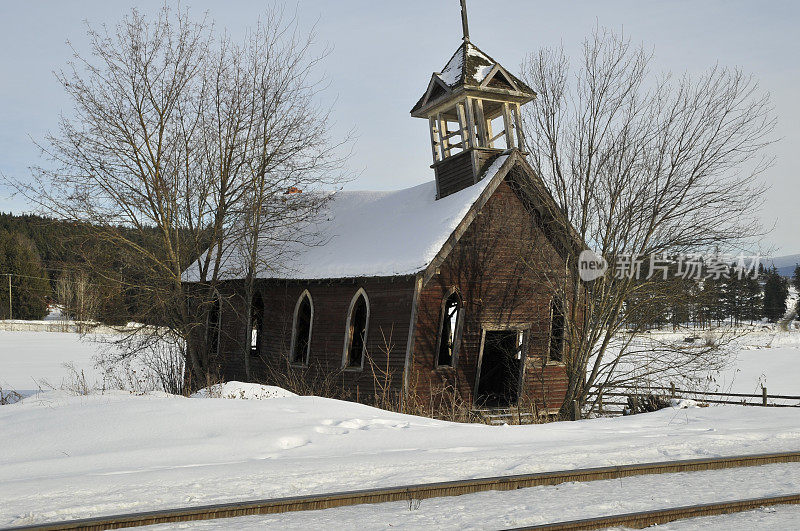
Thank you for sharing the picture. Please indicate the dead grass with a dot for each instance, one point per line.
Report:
(443, 402)
(9, 396)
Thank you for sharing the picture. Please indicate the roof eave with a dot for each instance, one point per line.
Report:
(474, 91)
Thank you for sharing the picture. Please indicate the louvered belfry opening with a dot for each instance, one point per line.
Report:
(473, 112)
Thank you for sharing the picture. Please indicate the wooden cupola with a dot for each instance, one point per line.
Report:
(473, 111)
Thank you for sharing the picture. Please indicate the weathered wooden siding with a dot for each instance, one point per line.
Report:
(499, 266)
(390, 302)
(454, 173)
(504, 267)
(458, 172)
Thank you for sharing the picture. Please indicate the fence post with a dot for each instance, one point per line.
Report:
(600, 403)
(672, 389)
(576, 410)
(763, 396)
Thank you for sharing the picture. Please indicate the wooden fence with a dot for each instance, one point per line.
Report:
(614, 401)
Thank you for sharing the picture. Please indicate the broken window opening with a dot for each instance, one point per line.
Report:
(213, 326)
(557, 329)
(301, 338)
(449, 331)
(256, 324)
(357, 323)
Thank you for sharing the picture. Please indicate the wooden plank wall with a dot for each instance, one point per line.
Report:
(491, 267)
(454, 174)
(390, 302)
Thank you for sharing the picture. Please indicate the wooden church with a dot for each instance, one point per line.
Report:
(425, 291)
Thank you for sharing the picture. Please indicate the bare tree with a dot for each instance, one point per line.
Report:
(78, 298)
(639, 165)
(178, 148)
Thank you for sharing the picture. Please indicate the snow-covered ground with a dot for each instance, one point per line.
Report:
(751, 357)
(779, 518)
(68, 456)
(541, 505)
(80, 456)
(767, 358)
(30, 361)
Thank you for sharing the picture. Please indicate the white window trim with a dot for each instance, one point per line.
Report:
(305, 360)
(457, 333)
(347, 338)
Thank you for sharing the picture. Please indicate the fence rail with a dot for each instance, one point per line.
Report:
(764, 399)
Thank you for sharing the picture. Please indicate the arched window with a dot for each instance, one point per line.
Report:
(213, 326)
(355, 344)
(256, 325)
(301, 330)
(449, 331)
(557, 328)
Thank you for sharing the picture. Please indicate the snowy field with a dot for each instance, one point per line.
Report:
(541, 505)
(769, 358)
(33, 360)
(30, 361)
(68, 456)
(82, 456)
(760, 355)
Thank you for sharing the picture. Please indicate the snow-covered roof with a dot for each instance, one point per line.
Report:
(478, 65)
(469, 66)
(368, 234)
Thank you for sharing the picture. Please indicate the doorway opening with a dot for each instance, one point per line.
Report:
(500, 370)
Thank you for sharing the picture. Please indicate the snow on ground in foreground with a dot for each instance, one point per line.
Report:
(75, 457)
(243, 391)
(542, 505)
(778, 518)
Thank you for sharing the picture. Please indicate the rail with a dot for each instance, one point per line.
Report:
(410, 492)
(640, 520)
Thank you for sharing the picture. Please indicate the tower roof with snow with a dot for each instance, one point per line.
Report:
(470, 69)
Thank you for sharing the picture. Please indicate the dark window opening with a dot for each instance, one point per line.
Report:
(500, 81)
(436, 92)
(212, 327)
(449, 331)
(357, 332)
(302, 330)
(501, 369)
(256, 325)
(557, 325)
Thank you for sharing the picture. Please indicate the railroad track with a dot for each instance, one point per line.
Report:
(458, 488)
(644, 519)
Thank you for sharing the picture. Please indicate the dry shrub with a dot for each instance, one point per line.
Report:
(646, 403)
(9, 397)
(322, 382)
(443, 402)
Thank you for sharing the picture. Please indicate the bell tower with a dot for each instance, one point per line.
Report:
(473, 112)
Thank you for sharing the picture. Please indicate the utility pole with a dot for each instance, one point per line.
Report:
(10, 314)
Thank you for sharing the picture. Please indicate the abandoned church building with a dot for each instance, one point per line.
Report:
(429, 289)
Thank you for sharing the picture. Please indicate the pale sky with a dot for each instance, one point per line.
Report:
(384, 53)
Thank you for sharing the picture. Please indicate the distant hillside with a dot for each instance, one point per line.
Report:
(786, 264)
(66, 250)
